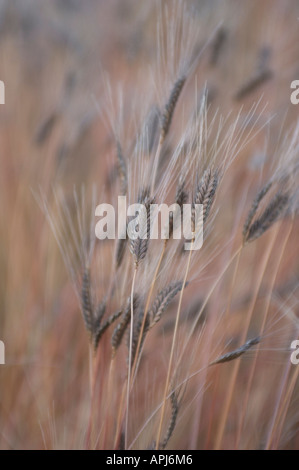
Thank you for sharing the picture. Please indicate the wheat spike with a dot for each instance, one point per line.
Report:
(254, 207)
(205, 194)
(271, 214)
(100, 312)
(86, 302)
(162, 301)
(181, 195)
(120, 329)
(46, 128)
(237, 352)
(152, 125)
(99, 329)
(170, 106)
(122, 170)
(139, 246)
(253, 84)
(181, 198)
(173, 419)
(120, 250)
(217, 46)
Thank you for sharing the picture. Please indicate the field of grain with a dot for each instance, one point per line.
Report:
(140, 344)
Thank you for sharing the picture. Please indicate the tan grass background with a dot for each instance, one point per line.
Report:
(52, 58)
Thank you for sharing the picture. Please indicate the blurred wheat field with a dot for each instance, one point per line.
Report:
(86, 86)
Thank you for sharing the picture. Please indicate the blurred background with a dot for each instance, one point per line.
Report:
(55, 59)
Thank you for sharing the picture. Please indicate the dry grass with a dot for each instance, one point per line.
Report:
(180, 349)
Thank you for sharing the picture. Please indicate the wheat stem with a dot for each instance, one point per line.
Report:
(130, 355)
(210, 293)
(285, 405)
(156, 163)
(250, 380)
(172, 347)
(232, 382)
(135, 364)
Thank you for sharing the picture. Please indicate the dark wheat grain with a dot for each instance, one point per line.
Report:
(237, 352)
(271, 214)
(170, 106)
